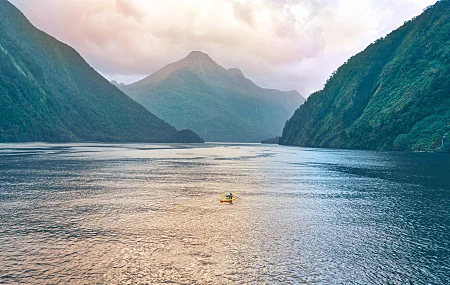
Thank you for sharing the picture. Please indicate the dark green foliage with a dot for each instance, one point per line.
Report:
(219, 104)
(49, 93)
(275, 140)
(395, 95)
(445, 143)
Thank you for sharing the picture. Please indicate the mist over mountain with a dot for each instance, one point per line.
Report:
(219, 104)
(49, 93)
(395, 95)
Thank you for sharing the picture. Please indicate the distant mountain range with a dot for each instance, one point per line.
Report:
(117, 84)
(219, 104)
(49, 93)
(395, 95)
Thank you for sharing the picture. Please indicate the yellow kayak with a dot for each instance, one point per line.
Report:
(227, 200)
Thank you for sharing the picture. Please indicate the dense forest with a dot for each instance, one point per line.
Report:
(49, 93)
(219, 104)
(395, 95)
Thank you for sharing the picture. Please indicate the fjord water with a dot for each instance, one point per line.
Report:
(137, 213)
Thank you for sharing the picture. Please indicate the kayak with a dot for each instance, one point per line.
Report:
(227, 200)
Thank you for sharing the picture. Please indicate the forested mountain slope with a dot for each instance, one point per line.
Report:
(395, 95)
(218, 104)
(49, 93)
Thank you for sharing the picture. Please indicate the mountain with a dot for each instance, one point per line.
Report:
(395, 95)
(117, 84)
(219, 104)
(49, 93)
(275, 140)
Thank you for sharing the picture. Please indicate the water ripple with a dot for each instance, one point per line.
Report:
(149, 214)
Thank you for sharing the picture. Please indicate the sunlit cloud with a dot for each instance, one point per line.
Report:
(283, 44)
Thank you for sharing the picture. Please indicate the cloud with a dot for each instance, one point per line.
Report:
(285, 44)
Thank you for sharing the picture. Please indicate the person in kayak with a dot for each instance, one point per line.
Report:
(229, 197)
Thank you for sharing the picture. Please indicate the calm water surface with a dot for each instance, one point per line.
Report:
(150, 214)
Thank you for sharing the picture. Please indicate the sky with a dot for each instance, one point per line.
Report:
(282, 44)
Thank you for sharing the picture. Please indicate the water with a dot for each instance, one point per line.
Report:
(150, 214)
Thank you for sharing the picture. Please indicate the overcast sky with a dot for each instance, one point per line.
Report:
(283, 44)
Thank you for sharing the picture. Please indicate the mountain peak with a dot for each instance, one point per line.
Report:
(236, 71)
(198, 56)
(117, 84)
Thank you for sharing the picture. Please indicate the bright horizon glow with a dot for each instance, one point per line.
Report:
(283, 44)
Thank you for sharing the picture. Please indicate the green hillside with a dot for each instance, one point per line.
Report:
(219, 104)
(395, 95)
(49, 93)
